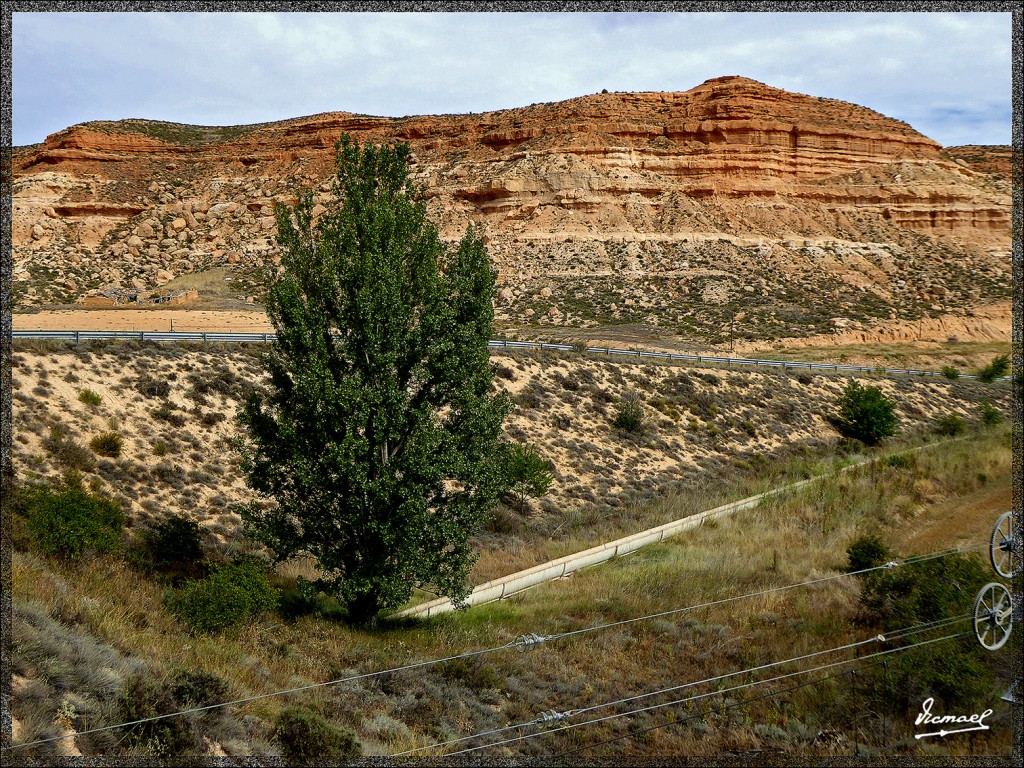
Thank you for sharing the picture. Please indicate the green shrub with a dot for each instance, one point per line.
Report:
(143, 697)
(173, 549)
(957, 674)
(702, 405)
(924, 591)
(89, 397)
(528, 400)
(990, 415)
(504, 372)
(160, 448)
(167, 411)
(900, 461)
(303, 599)
(473, 673)
(151, 387)
(199, 689)
(293, 602)
(107, 444)
(998, 368)
(67, 452)
(951, 372)
(950, 425)
(211, 418)
(629, 414)
(221, 380)
(865, 414)
(176, 540)
(170, 739)
(229, 595)
(304, 735)
(529, 475)
(67, 521)
(868, 551)
(503, 521)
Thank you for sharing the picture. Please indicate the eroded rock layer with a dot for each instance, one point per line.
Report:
(667, 209)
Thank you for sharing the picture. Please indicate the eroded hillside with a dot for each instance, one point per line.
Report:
(730, 210)
(173, 407)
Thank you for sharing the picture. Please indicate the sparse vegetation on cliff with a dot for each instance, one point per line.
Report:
(998, 368)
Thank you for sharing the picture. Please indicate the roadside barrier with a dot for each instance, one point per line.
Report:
(554, 569)
(80, 336)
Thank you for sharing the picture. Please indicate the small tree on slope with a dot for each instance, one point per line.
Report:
(529, 474)
(377, 437)
(866, 414)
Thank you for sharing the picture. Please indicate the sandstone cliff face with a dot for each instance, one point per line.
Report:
(726, 185)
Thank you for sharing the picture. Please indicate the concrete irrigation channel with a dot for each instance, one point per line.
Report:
(555, 569)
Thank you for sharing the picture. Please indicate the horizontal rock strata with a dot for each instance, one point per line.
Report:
(629, 184)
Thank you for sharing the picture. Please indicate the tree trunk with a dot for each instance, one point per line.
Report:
(363, 609)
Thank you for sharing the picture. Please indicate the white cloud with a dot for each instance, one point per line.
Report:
(239, 68)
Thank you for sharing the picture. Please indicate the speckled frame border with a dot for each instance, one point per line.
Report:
(6, 465)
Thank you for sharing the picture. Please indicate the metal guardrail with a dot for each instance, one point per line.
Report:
(80, 336)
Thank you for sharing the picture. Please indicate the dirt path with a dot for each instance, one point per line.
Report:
(195, 320)
(992, 322)
(958, 521)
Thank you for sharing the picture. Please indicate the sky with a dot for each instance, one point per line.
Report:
(946, 74)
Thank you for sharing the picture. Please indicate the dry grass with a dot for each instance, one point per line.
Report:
(174, 407)
(108, 611)
(105, 604)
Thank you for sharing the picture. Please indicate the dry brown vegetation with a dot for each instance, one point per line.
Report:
(174, 405)
(94, 646)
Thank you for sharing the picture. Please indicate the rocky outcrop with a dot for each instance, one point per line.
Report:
(995, 160)
(614, 183)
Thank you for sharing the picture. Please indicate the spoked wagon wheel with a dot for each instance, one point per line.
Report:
(993, 616)
(1006, 546)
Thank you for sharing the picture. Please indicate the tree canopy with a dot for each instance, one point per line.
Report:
(374, 443)
(530, 475)
(865, 414)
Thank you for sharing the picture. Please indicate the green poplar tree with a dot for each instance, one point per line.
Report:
(376, 439)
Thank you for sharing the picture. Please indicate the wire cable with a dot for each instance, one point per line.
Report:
(523, 642)
(652, 707)
(743, 703)
(907, 561)
(272, 694)
(553, 716)
(574, 712)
